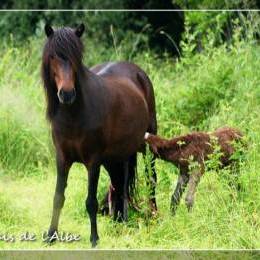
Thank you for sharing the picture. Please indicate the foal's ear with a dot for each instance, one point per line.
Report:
(48, 30)
(80, 29)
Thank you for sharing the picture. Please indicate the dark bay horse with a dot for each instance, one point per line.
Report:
(98, 117)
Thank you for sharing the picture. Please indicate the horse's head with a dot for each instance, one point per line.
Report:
(63, 60)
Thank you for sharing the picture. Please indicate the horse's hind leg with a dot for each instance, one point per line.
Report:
(129, 173)
(180, 187)
(59, 198)
(151, 180)
(147, 89)
(116, 172)
(125, 191)
(132, 171)
(91, 201)
(194, 179)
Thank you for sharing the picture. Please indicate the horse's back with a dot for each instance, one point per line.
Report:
(122, 69)
(134, 73)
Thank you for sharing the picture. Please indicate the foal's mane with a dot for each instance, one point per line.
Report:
(65, 44)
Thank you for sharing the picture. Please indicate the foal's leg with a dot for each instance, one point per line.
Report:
(92, 202)
(59, 198)
(180, 187)
(192, 185)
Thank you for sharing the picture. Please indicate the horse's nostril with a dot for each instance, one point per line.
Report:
(67, 97)
(60, 95)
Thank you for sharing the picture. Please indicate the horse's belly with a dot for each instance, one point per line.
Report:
(126, 140)
(121, 151)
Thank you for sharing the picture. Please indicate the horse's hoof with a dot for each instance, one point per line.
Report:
(94, 244)
(94, 241)
(51, 237)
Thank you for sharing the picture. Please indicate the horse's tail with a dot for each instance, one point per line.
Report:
(148, 92)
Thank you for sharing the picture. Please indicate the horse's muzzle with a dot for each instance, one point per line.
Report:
(67, 97)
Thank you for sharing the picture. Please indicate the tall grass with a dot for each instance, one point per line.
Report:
(202, 91)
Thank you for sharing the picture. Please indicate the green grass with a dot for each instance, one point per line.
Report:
(202, 92)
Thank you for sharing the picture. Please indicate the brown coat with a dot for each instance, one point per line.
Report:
(193, 147)
(196, 145)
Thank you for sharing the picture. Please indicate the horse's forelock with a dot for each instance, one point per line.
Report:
(65, 44)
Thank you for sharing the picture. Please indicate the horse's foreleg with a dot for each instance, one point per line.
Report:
(59, 198)
(192, 186)
(92, 202)
(180, 187)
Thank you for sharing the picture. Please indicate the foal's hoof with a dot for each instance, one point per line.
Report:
(189, 203)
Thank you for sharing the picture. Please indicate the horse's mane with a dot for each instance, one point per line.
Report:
(65, 44)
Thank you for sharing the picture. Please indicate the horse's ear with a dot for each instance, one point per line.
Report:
(48, 30)
(80, 29)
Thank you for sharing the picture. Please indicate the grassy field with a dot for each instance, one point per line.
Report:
(220, 86)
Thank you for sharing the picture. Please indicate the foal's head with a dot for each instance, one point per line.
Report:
(62, 62)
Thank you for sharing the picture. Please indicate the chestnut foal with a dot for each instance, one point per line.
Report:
(194, 147)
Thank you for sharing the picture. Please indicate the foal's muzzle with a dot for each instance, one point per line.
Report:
(67, 97)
